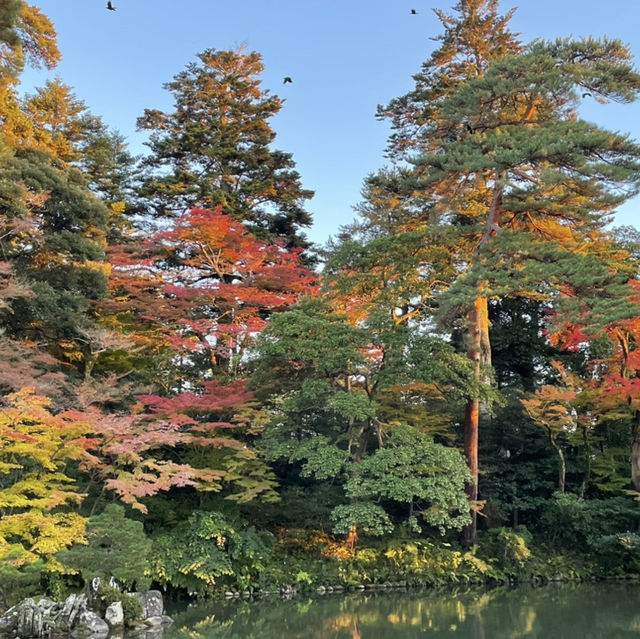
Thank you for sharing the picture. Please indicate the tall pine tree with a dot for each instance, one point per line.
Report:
(214, 149)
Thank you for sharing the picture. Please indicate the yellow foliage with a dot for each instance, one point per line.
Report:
(35, 447)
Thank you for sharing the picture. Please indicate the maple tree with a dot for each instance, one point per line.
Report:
(35, 488)
(614, 375)
(211, 284)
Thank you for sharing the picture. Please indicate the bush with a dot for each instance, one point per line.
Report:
(510, 546)
(619, 553)
(207, 550)
(117, 547)
(573, 522)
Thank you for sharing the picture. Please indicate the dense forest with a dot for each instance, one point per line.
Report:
(193, 396)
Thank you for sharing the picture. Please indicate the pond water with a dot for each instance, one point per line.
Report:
(567, 611)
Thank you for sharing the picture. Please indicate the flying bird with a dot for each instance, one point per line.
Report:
(414, 12)
(286, 80)
(110, 6)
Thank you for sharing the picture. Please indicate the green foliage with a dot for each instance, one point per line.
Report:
(367, 517)
(207, 550)
(413, 470)
(116, 547)
(571, 521)
(511, 546)
(619, 553)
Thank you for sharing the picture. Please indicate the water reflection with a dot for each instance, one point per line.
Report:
(581, 611)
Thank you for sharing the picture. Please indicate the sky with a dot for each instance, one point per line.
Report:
(344, 57)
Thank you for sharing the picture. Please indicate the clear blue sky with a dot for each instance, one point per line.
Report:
(345, 58)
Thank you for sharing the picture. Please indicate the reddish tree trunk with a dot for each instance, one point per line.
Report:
(479, 352)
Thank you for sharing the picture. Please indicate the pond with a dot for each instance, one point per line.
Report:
(555, 611)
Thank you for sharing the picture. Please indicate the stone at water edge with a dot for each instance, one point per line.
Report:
(72, 607)
(9, 620)
(89, 624)
(29, 619)
(155, 622)
(152, 604)
(114, 615)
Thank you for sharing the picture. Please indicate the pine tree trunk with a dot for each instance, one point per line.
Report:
(479, 352)
(472, 421)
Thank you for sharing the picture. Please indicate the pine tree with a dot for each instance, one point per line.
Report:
(472, 40)
(214, 149)
(430, 250)
(507, 187)
(550, 181)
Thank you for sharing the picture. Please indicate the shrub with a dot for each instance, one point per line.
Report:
(117, 547)
(619, 553)
(208, 549)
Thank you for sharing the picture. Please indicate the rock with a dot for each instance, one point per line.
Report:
(29, 622)
(9, 620)
(66, 616)
(153, 621)
(89, 624)
(114, 615)
(152, 605)
(156, 622)
(44, 603)
(92, 590)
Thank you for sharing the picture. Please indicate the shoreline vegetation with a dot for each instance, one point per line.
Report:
(195, 399)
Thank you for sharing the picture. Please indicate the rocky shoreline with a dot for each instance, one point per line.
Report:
(77, 616)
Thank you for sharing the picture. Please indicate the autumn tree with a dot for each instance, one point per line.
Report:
(211, 285)
(154, 448)
(36, 490)
(214, 149)
(27, 36)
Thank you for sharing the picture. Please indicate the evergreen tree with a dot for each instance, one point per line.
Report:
(550, 181)
(472, 39)
(54, 233)
(214, 149)
(508, 189)
(431, 256)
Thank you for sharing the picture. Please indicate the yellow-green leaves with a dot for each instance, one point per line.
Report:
(35, 448)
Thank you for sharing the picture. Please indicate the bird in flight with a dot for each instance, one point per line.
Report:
(286, 80)
(414, 12)
(110, 6)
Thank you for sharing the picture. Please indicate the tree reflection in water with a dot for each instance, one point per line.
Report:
(580, 611)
